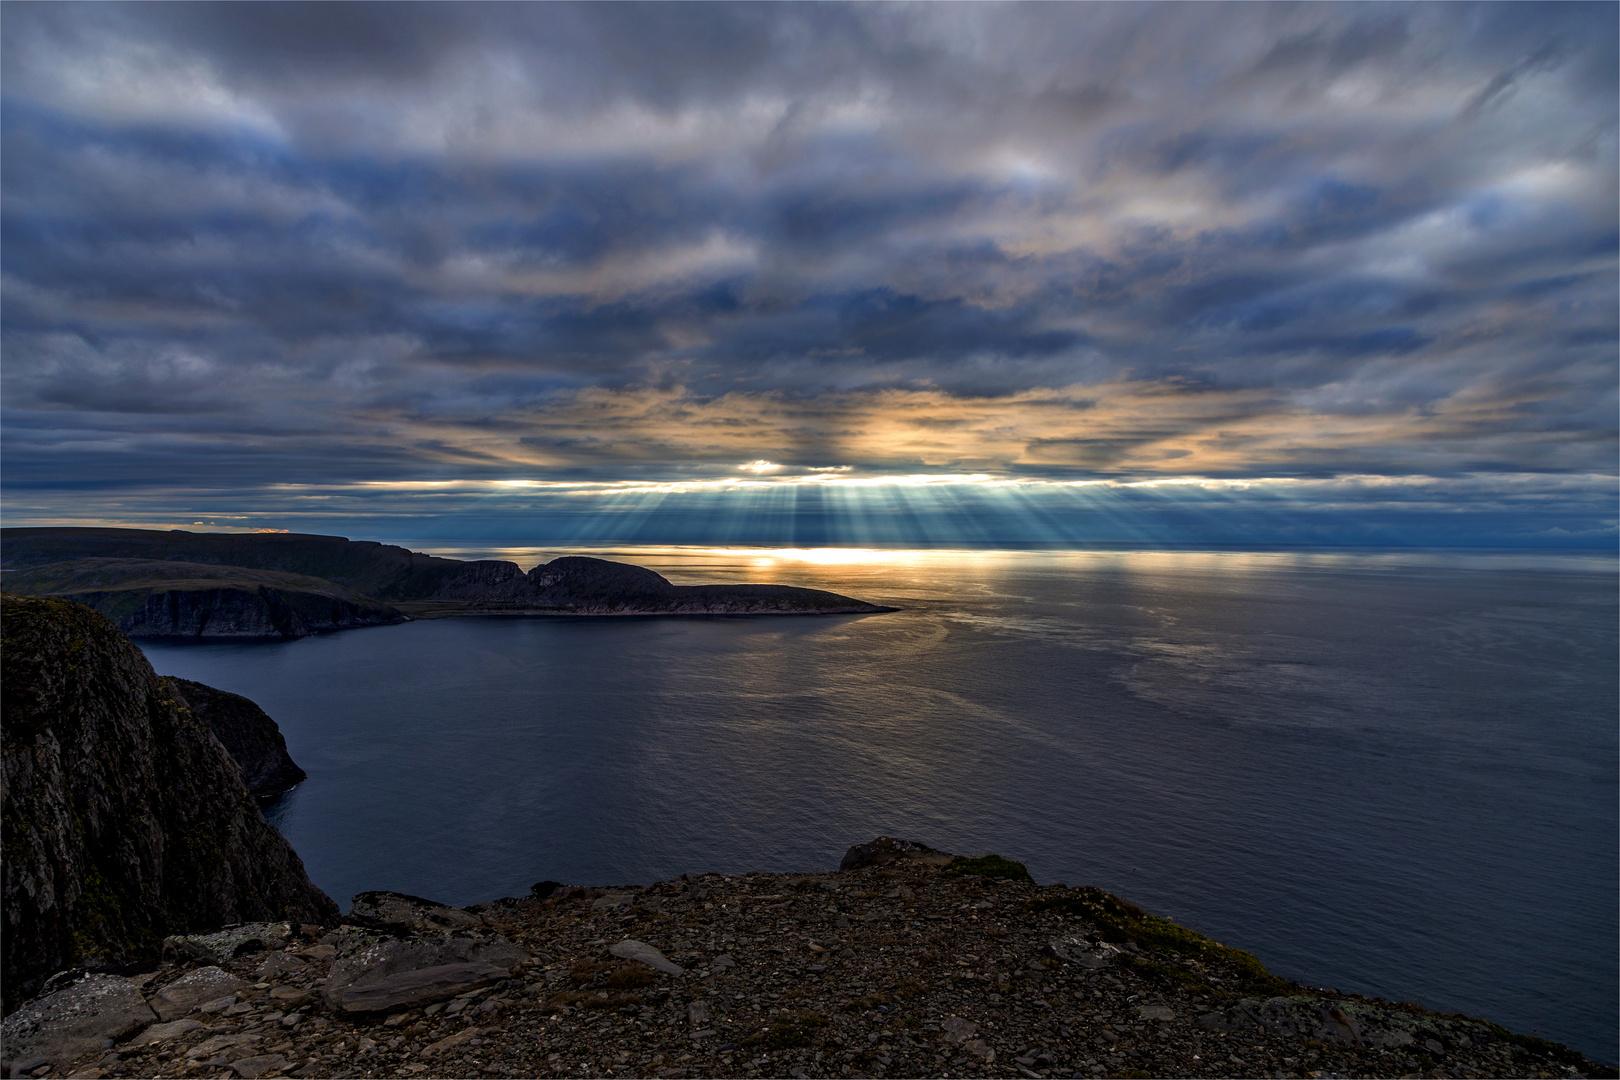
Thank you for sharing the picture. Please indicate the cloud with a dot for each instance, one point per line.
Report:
(342, 242)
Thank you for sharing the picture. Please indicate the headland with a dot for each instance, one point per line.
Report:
(286, 585)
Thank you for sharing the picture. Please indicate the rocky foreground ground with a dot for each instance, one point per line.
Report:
(907, 963)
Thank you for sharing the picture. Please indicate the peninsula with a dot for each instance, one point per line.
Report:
(282, 585)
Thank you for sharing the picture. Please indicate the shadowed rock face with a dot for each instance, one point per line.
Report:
(177, 599)
(247, 732)
(125, 819)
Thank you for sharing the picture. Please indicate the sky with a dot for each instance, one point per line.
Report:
(1262, 273)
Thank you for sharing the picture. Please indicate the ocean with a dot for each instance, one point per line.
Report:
(1390, 773)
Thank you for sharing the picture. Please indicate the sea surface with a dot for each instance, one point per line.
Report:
(1389, 773)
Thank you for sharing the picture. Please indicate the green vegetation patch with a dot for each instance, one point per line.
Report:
(991, 866)
(1120, 921)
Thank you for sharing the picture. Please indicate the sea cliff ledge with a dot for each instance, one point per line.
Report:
(904, 962)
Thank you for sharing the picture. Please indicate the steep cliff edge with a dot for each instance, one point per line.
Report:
(175, 599)
(124, 818)
(253, 740)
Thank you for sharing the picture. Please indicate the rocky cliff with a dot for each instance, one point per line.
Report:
(253, 740)
(124, 818)
(174, 599)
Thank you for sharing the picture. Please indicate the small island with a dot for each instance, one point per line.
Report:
(286, 585)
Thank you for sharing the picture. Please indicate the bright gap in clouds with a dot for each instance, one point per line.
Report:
(963, 510)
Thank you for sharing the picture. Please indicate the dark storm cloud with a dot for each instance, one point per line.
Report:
(330, 242)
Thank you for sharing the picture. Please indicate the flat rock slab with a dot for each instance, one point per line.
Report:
(251, 1068)
(631, 949)
(278, 964)
(219, 1044)
(365, 958)
(450, 1042)
(423, 986)
(613, 900)
(401, 911)
(172, 1030)
(231, 942)
(193, 990)
(74, 1020)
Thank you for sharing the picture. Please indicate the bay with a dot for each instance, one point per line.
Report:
(1393, 773)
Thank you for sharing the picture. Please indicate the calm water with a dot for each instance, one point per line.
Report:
(1390, 774)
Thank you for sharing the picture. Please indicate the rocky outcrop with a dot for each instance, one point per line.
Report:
(380, 973)
(900, 968)
(125, 819)
(886, 851)
(253, 740)
(173, 599)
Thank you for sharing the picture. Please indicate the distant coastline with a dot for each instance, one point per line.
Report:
(285, 585)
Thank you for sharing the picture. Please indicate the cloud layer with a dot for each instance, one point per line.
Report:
(256, 244)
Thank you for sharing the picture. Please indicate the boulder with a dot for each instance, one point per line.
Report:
(365, 959)
(631, 949)
(278, 964)
(886, 850)
(73, 1021)
(193, 990)
(423, 986)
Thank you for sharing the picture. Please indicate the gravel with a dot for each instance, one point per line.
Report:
(904, 970)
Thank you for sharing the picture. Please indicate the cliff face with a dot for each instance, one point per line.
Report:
(176, 599)
(247, 733)
(124, 818)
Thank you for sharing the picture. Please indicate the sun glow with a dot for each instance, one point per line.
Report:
(821, 477)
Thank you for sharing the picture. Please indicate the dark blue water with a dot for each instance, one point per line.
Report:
(1391, 774)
